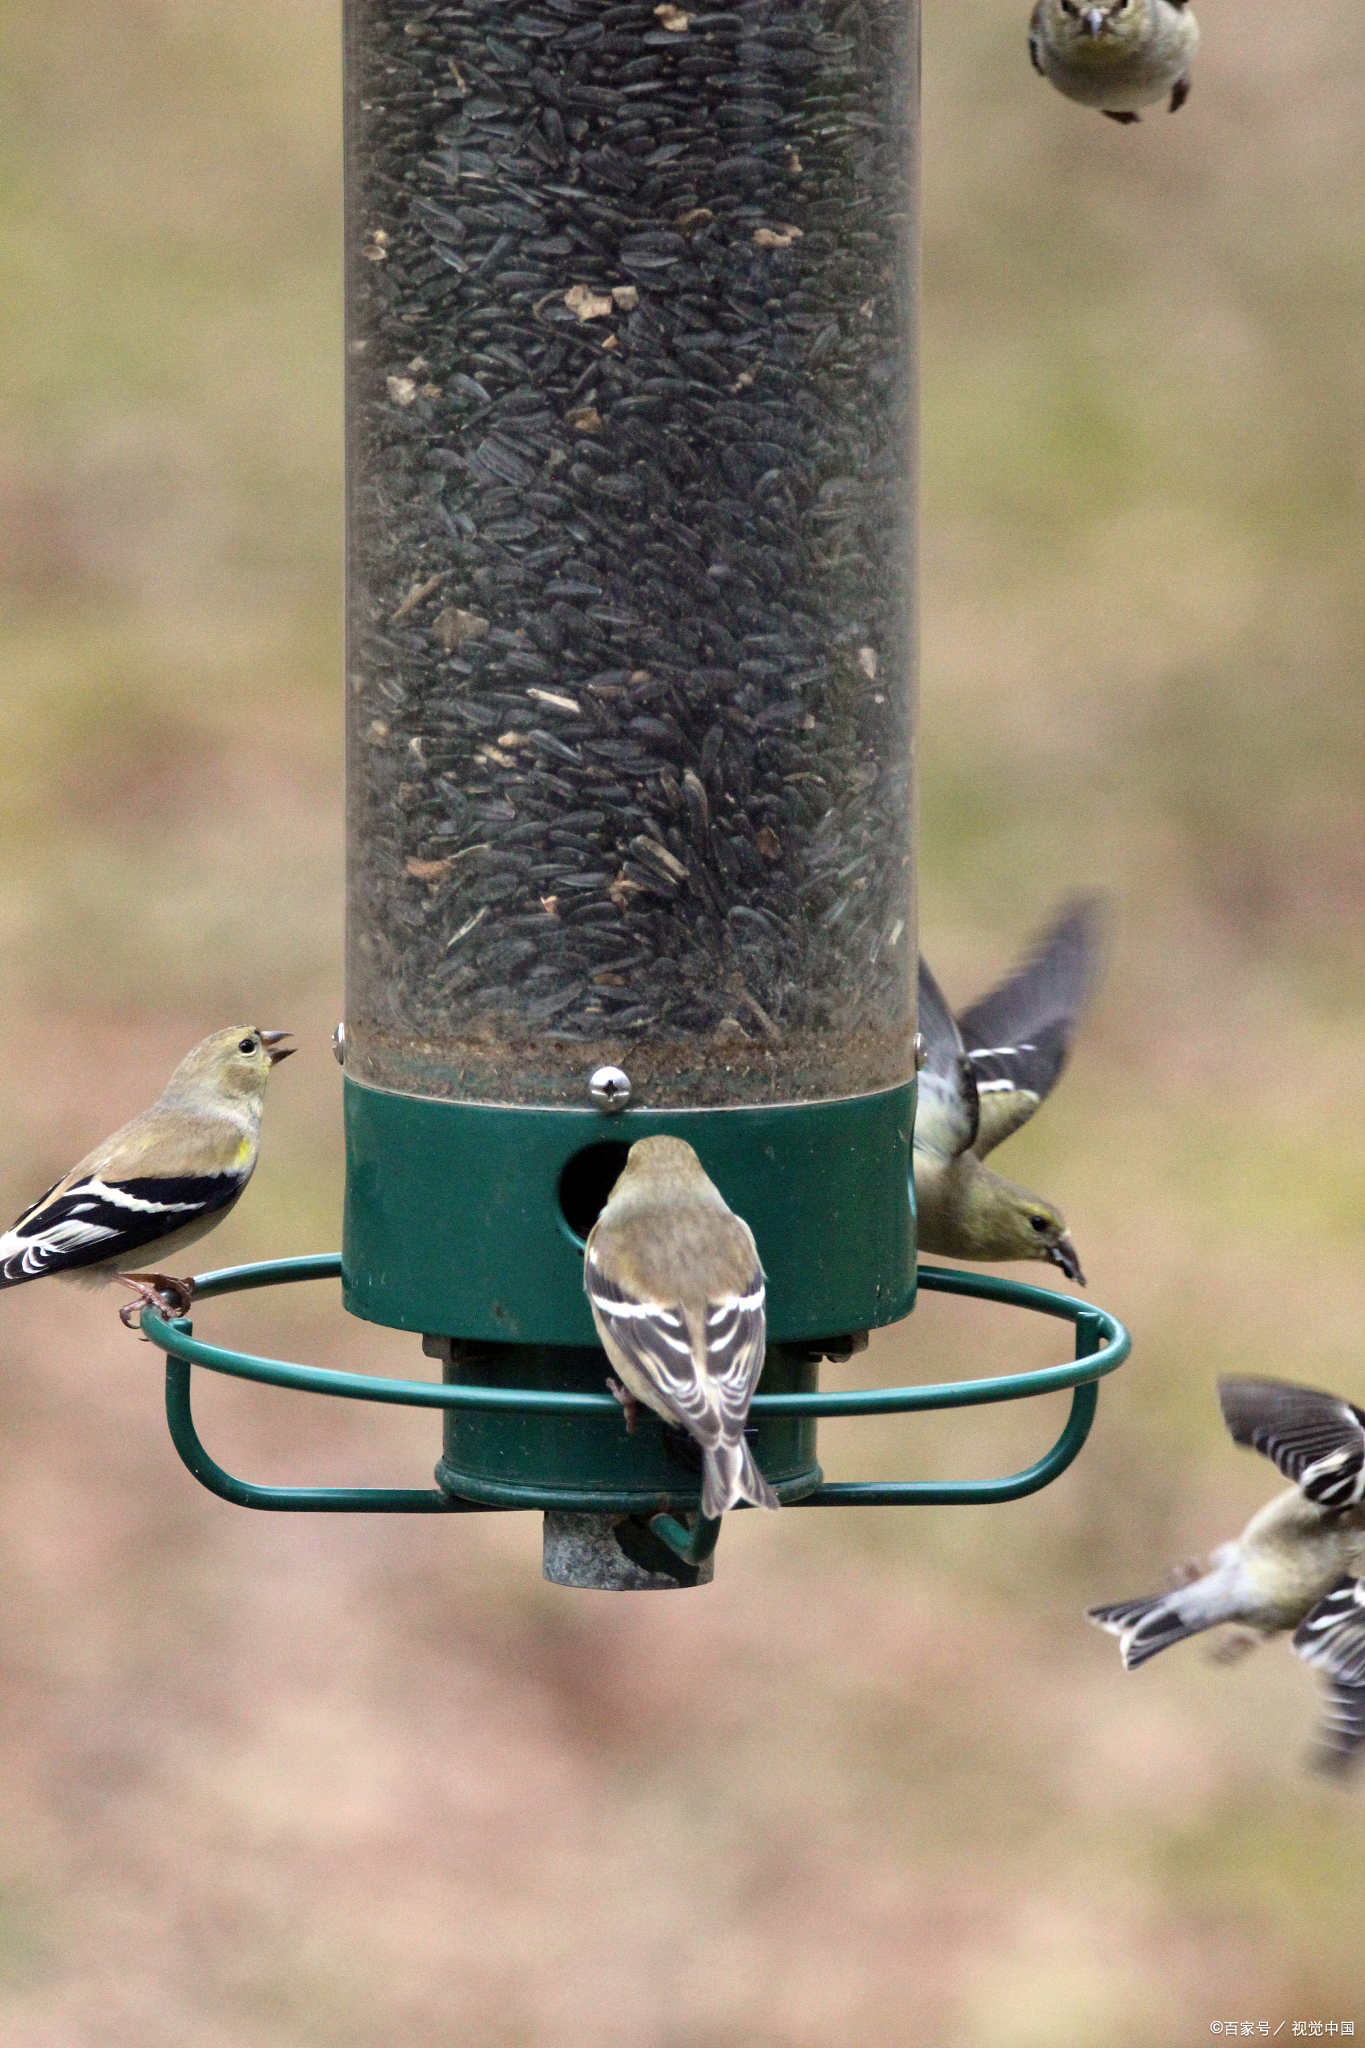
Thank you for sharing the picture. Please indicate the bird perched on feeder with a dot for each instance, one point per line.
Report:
(1299, 1563)
(676, 1291)
(161, 1182)
(984, 1075)
(1118, 56)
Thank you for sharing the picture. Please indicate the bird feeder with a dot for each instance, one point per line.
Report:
(631, 411)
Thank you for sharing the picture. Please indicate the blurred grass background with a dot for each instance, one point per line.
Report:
(297, 1783)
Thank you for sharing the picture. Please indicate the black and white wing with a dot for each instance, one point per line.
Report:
(1332, 1639)
(736, 1336)
(1315, 1438)
(91, 1221)
(1018, 1037)
(658, 1342)
(947, 1113)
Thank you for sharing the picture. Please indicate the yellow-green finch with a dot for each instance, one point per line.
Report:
(676, 1291)
(161, 1182)
(1117, 56)
(1299, 1563)
(984, 1075)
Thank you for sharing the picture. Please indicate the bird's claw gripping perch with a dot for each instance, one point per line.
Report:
(168, 1296)
(628, 1402)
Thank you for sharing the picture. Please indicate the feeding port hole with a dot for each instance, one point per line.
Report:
(588, 1178)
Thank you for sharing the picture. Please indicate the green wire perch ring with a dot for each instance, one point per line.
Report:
(1102, 1344)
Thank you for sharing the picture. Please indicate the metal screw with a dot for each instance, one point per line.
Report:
(921, 1052)
(609, 1089)
(339, 1045)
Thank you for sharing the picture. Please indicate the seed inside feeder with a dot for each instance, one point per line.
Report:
(629, 386)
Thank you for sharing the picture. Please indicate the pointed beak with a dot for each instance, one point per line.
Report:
(1092, 21)
(277, 1051)
(1063, 1254)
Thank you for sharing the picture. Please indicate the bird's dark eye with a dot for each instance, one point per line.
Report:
(246, 1045)
(1039, 1223)
(1070, 7)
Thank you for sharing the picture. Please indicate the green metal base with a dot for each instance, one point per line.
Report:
(469, 1220)
(495, 1459)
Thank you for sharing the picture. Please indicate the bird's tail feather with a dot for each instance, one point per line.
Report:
(1145, 1626)
(731, 1476)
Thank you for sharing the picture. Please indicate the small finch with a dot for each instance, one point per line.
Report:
(162, 1181)
(1118, 56)
(676, 1290)
(984, 1074)
(1299, 1563)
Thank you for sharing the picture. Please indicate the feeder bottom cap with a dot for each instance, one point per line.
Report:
(614, 1554)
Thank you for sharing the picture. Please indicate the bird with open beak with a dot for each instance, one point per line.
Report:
(162, 1181)
(1118, 56)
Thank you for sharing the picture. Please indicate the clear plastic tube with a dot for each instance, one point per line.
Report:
(631, 474)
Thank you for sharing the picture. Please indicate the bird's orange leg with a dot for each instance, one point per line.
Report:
(170, 1297)
(1236, 1644)
(628, 1403)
